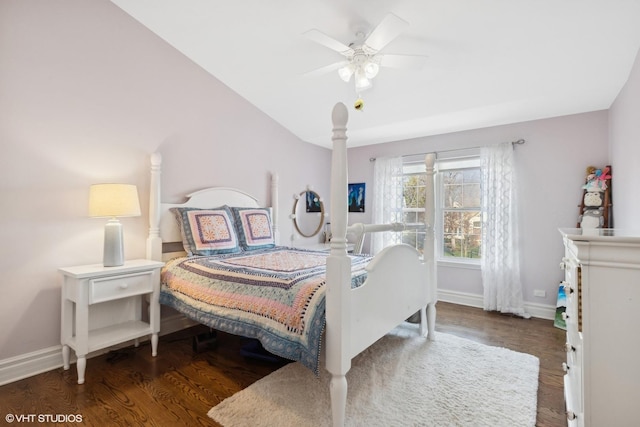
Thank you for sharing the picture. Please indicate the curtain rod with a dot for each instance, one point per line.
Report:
(513, 143)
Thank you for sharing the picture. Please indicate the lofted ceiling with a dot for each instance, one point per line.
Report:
(489, 62)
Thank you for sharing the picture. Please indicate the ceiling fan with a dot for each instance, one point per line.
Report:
(363, 57)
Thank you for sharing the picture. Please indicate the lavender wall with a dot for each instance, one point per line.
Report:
(624, 133)
(551, 168)
(86, 95)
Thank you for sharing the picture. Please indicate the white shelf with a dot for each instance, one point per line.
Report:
(114, 334)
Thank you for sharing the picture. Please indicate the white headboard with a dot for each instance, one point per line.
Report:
(163, 227)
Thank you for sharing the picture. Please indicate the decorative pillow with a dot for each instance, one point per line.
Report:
(254, 228)
(207, 231)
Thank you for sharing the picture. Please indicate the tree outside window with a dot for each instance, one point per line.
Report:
(461, 215)
(414, 182)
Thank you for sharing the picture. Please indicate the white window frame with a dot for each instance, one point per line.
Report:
(406, 163)
(468, 159)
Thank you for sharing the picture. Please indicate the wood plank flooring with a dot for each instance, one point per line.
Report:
(128, 387)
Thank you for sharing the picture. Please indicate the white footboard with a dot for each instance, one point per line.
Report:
(396, 287)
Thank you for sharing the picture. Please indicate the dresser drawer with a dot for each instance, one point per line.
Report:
(573, 369)
(574, 414)
(116, 287)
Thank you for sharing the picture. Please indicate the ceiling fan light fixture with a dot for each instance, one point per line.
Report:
(346, 72)
(371, 69)
(362, 82)
(363, 56)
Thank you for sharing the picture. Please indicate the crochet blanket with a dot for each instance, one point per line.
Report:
(276, 295)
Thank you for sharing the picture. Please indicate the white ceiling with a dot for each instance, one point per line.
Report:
(490, 62)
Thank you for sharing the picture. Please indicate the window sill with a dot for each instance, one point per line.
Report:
(471, 265)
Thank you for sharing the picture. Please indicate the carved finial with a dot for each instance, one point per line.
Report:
(156, 159)
(430, 160)
(339, 115)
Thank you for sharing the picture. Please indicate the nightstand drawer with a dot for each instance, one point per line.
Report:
(116, 287)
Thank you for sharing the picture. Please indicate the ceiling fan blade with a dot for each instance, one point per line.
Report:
(387, 30)
(333, 44)
(402, 61)
(326, 69)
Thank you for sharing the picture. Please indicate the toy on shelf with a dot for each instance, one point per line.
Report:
(595, 206)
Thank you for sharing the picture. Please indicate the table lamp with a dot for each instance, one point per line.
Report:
(113, 201)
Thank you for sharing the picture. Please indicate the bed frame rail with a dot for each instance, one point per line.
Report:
(360, 230)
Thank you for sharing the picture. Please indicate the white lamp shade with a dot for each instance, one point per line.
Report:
(371, 70)
(346, 72)
(113, 200)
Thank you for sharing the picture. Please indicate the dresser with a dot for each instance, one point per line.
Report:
(602, 286)
(102, 307)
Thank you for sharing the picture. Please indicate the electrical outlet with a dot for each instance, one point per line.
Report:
(539, 293)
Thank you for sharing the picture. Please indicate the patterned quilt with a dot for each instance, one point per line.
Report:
(276, 295)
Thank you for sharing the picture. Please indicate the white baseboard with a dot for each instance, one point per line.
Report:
(34, 363)
(541, 311)
(30, 364)
(461, 298)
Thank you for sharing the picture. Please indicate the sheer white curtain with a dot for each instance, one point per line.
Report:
(500, 252)
(387, 200)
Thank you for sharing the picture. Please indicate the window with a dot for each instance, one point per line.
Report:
(413, 183)
(457, 211)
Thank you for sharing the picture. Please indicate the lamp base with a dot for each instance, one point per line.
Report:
(113, 244)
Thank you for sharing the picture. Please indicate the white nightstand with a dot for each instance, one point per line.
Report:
(102, 306)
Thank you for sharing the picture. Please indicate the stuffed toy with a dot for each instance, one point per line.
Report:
(593, 199)
(592, 218)
(596, 179)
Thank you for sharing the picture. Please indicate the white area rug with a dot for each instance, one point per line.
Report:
(402, 380)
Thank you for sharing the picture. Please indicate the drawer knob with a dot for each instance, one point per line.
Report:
(123, 286)
(565, 367)
(569, 348)
(567, 287)
(571, 415)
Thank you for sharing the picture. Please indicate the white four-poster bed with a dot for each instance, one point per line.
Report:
(391, 286)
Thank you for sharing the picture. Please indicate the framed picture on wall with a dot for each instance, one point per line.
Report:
(356, 197)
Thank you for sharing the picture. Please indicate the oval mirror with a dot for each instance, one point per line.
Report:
(308, 213)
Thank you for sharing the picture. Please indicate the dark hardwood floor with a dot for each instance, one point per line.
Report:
(128, 387)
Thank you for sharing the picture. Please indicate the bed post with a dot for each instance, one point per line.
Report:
(430, 250)
(338, 279)
(275, 181)
(154, 242)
